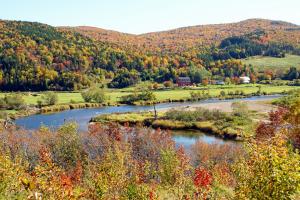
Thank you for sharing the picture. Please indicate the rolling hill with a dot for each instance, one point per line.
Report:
(185, 38)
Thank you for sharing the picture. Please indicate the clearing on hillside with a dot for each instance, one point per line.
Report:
(264, 62)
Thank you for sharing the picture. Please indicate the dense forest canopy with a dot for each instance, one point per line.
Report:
(35, 56)
(182, 39)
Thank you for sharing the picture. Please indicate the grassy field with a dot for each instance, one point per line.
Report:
(262, 62)
(214, 91)
(114, 95)
(31, 98)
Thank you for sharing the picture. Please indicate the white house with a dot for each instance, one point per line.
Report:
(245, 79)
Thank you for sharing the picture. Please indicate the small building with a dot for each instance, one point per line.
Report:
(245, 79)
(220, 83)
(184, 81)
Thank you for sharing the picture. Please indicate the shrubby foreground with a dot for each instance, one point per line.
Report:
(113, 162)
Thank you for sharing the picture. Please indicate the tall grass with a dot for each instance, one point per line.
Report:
(57, 108)
(199, 114)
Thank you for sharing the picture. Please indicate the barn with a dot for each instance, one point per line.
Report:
(184, 81)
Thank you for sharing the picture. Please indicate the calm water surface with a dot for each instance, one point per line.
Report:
(83, 116)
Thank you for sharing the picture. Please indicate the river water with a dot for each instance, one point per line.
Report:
(83, 116)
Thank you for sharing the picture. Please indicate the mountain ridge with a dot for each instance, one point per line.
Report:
(183, 27)
(183, 38)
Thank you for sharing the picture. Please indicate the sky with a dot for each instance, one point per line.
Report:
(142, 16)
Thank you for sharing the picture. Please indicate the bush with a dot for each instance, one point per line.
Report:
(112, 162)
(10, 184)
(87, 96)
(168, 84)
(288, 100)
(240, 109)
(3, 114)
(209, 155)
(49, 98)
(96, 95)
(99, 96)
(270, 171)
(12, 101)
(72, 101)
(155, 86)
(145, 96)
(66, 149)
(3, 103)
(222, 93)
(196, 96)
(200, 114)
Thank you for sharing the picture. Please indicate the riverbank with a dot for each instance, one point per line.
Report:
(74, 100)
(224, 125)
(16, 114)
(58, 108)
(147, 119)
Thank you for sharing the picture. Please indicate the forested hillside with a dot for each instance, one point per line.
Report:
(181, 39)
(36, 56)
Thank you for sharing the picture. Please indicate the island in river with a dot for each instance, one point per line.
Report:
(83, 116)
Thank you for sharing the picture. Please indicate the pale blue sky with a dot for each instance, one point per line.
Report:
(140, 16)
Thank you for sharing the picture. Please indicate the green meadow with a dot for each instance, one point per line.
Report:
(263, 62)
(31, 98)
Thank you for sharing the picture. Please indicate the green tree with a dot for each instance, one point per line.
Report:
(124, 78)
(198, 74)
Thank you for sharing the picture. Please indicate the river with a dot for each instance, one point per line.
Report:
(83, 116)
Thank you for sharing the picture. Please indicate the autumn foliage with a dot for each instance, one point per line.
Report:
(113, 162)
(35, 56)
